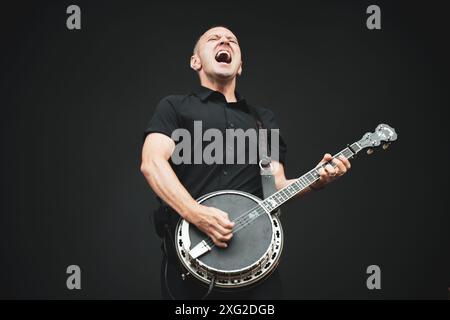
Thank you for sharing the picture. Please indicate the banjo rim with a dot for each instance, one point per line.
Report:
(252, 271)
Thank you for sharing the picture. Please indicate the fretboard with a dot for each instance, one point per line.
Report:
(272, 202)
(278, 198)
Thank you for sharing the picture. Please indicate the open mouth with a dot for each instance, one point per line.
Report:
(223, 56)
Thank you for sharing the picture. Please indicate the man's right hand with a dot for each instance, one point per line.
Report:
(213, 222)
(157, 170)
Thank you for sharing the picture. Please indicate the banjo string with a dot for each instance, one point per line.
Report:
(242, 221)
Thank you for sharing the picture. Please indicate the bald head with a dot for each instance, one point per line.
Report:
(217, 54)
(212, 29)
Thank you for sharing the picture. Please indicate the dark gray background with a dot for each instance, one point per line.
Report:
(74, 105)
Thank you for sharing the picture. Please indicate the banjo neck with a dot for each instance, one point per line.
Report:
(283, 195)
(383, 135)
(271, 203)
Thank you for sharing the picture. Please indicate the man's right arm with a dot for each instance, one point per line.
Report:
(156, 168)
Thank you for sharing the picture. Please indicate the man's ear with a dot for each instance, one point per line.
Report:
(240, 69)
(195, 62)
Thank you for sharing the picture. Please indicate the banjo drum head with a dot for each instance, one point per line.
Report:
(248, 245)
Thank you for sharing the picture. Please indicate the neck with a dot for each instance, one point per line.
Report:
(278, 198)
(272, 202)
(227, 88)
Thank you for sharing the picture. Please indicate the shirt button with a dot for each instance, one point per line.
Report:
(231, 125)
(225, 172)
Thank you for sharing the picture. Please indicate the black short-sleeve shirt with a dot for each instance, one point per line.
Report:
(211, 108)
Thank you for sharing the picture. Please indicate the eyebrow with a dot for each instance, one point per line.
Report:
(218, 35)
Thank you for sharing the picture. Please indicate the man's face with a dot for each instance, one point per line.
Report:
(218, 54)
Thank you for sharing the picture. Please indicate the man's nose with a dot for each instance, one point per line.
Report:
(224, 40)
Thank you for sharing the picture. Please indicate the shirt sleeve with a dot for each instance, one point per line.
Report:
(270, 122)
(164, 120)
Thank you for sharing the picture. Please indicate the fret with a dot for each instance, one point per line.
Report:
(315, 174)
(291, 189)
(284, 196)
(287, 192)
(277, 199)
(300, 185)
(281, 195)
(347, 153)
(272, 202)
(355, 147)
(266, 206)
(304, 182)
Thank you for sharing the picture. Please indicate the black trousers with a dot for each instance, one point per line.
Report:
(174, 287)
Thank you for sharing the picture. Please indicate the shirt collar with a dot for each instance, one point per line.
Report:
(204, 93)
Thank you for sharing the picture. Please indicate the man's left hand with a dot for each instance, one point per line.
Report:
(330, 173)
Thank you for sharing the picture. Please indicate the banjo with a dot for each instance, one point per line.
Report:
(257, 243)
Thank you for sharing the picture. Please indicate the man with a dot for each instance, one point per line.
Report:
(217, 61)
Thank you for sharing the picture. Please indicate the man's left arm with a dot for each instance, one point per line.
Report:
(327, 174)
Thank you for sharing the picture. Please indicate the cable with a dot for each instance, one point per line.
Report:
(166, 263)
(211, 286)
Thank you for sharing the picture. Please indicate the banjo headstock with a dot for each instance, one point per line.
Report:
(383, 135)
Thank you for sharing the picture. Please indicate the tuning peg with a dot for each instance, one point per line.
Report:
(369, 151)
(386, 145)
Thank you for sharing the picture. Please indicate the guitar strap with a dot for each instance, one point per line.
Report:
(265, 165)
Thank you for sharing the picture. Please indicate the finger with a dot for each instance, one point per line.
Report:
(341, 166)
(224, 221)
(326, 157)
(221, 237)
(219, 243)
(345, 161)
(227, 237)
(322, 173)
(330, 170)
(223, 231)
(218, 239)
(216, 242)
